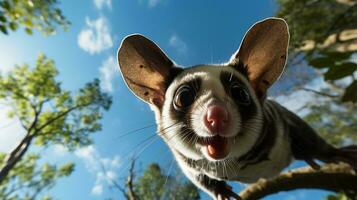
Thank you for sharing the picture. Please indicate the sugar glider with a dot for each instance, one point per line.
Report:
(217, 120)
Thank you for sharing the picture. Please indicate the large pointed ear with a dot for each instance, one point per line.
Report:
(263, 53)
(145, 68)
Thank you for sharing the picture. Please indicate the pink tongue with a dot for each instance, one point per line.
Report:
(217, 148)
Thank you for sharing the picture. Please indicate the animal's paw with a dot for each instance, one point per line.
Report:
(224, 192)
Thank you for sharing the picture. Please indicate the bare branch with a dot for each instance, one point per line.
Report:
(130, 180)
(320, 93)
(114, 183)
(331, 177)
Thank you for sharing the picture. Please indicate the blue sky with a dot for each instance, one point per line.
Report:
(190, 32)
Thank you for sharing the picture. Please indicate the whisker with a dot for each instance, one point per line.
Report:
(134, 131)
(167, 176)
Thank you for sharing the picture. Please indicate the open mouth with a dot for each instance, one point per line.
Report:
(216, 147)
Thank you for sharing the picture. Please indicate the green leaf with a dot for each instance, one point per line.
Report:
(3, 29)
(321, 62)
(2, 18)
(28, 31)
(28, 23)
(338, 56)
(350, 93)
(66, 169)
(340, 71)
(5, 5)
(11, 114)
(13, 26)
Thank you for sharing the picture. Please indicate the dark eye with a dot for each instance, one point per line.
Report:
(240, 94)
(184, 97)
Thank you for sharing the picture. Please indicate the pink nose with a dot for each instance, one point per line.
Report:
(216, 119)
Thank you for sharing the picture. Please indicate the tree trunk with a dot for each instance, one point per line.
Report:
(15, 156)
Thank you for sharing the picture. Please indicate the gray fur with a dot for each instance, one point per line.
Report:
(262, 137)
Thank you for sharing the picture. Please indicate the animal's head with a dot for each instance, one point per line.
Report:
(208, 111)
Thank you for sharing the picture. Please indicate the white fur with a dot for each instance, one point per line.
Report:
(238, 145)
(212, 86)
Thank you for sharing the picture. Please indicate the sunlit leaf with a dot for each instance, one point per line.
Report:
(44, 16)
(69, 118)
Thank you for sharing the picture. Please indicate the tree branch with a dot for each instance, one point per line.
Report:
(59, 116)
(115, 184)
(320, 93)
(21, 149)
(129, 181)
(331, 177)
(15, 155)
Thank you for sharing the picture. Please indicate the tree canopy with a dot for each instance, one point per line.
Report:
(28, 180)
(324, 34)
(41, 15)
(156, 184)
(48, 113)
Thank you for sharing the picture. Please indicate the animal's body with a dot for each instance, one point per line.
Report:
(216, 119)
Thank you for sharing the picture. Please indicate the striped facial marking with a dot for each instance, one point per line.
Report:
(212, 112)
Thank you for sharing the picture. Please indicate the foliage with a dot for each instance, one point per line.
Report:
(49, 115)
(318, 36)
(154, 184)
(337, 197)
(324, 43)
(42, 15)
(56, 115)
(338, 66)
(337, 123)
(29, 180)
(311, 20)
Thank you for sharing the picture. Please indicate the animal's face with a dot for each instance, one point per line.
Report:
(208, 111)
(211, 112)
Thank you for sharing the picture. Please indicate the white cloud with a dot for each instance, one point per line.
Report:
(95, 163)
(111, 175)
(178, 44)
(59, 150)
(114, 162)
(95, 37)
(103, 3)
(89, 155)
(108, 70)
(97, 190)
